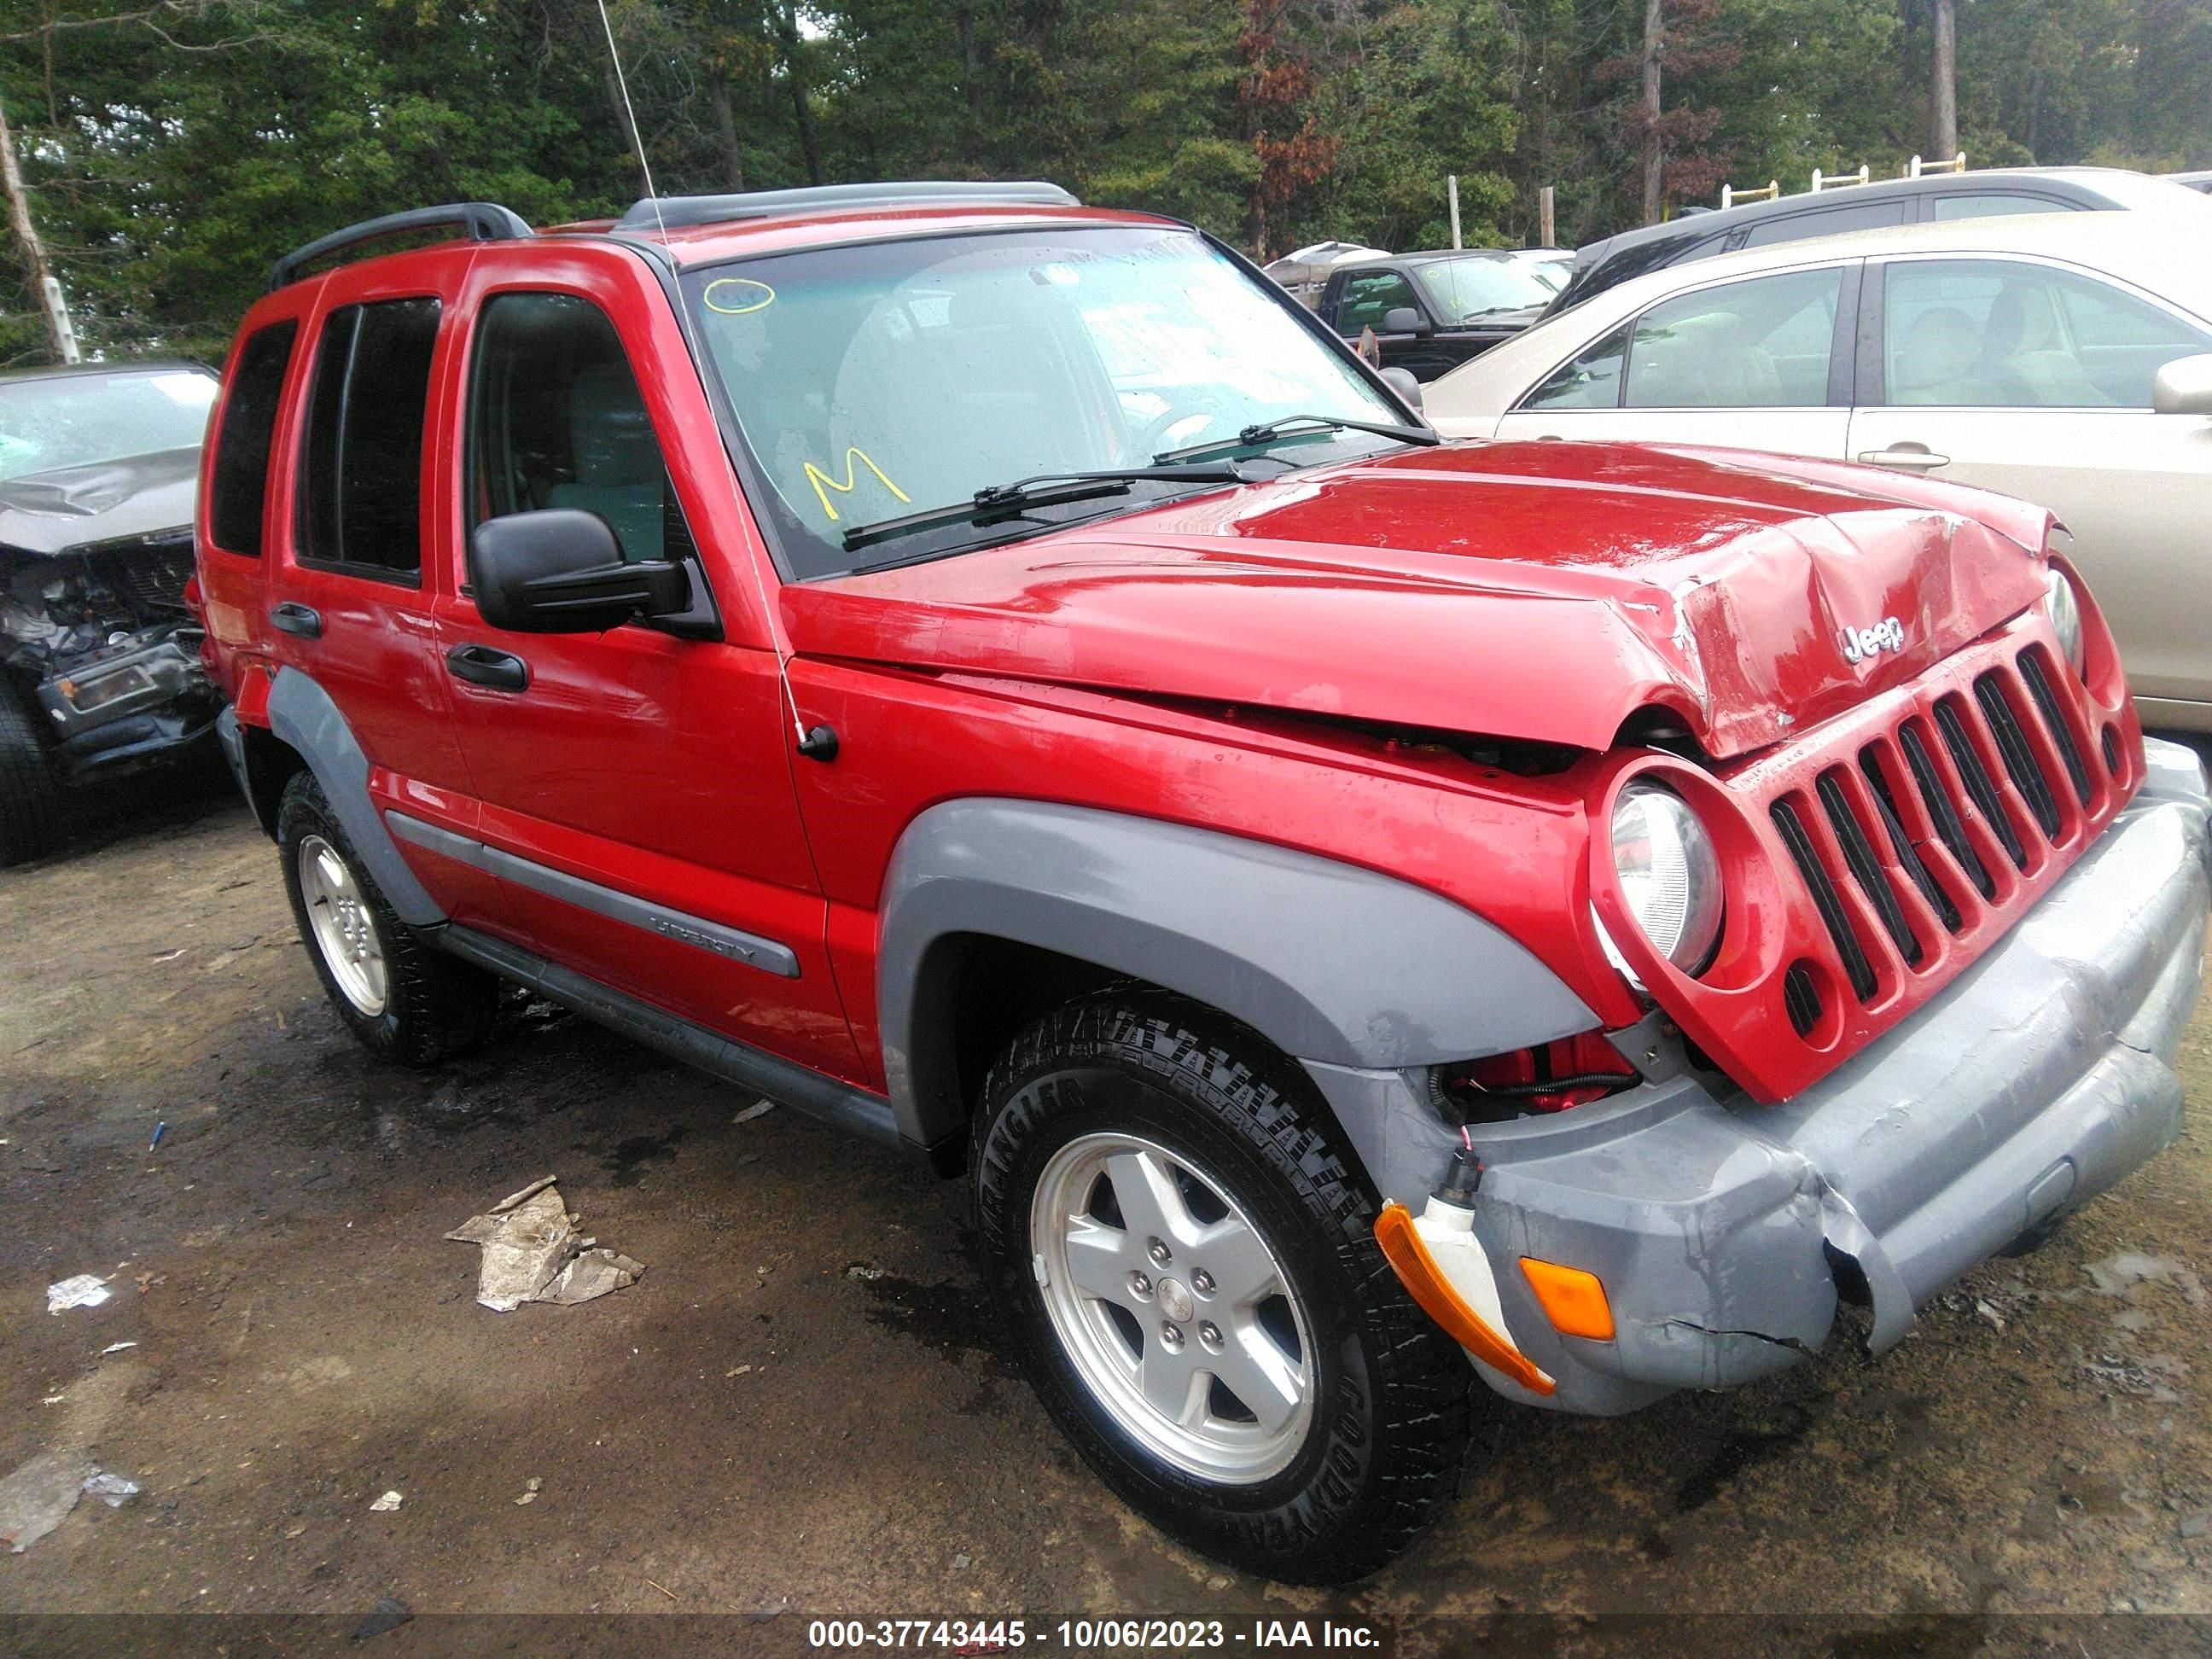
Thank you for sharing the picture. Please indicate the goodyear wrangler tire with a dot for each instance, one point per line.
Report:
(1186, 1247)
(404, 1000)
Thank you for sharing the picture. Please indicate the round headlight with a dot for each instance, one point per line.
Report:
(2065, 614)
(1669, 874)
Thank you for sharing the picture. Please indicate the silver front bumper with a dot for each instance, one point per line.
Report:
(1721, 1229)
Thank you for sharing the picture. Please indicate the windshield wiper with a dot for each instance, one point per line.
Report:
(1297, 428)
(1011, 500)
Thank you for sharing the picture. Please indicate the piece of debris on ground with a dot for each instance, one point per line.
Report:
(39, 1495)
(758, 1109)
(82, 1291)
(110, 1488)
(389, 1613)
(389, 1502)
(533, 1252)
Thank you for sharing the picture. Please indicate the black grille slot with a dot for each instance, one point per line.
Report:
(1865, 867)
(1824, 899)
(1941, 812)
(1801, 999)
(2111, 752)
(2054, 719)
(1979, 784)
(2019, 759)
(149, 579)
(1907, 854)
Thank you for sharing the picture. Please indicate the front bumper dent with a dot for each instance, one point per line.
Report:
(1721, 1230)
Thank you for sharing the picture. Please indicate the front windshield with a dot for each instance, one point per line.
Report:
(1461, 290)
(75, 420)
(878, 380)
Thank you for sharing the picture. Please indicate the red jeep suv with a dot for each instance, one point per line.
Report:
(1362, 914)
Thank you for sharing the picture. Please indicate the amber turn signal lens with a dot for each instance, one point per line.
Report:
(1426, 1283)
(1573, 1300)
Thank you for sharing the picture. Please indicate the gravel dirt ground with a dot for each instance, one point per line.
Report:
(801, 1410)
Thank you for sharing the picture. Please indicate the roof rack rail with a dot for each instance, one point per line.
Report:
(485, 222)
(680, 211)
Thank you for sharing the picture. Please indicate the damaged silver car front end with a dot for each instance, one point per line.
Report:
(99, 654)
(101, 643)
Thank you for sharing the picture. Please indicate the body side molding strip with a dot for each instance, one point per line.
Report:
(804, 1090)
(681, 926)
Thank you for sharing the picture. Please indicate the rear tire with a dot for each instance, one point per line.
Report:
(30, 815)
(404, 1000)
(1141, 1166)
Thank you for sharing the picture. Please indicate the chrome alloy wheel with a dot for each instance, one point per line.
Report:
(1172, 1308)
(345, 932)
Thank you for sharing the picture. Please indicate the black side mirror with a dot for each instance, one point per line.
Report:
(1404, 319)
(1402, 382)
(561, 571)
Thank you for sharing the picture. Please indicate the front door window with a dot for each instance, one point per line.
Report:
(557, 421)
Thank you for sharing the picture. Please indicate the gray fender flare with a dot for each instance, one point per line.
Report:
(302, 715)
(1328, 962)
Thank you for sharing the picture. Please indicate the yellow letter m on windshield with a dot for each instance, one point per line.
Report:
(824, 483)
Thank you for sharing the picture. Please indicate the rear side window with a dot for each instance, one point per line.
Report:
(1987, 205)
(241, 454)
(1764, 343)
(361, 471)
(1827, 222)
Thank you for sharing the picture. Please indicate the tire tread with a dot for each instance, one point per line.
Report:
(1261, 1096)
(30, 814)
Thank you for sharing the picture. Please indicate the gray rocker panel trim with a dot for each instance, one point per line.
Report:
(1327, 961)
(682, 926)
(302, 715)
(796, 1087)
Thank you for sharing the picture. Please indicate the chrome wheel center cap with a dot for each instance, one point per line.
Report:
(1175, 1300)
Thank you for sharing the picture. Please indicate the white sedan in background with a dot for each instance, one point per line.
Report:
(2063, 358)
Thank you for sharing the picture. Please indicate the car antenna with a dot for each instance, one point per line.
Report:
(822, 742)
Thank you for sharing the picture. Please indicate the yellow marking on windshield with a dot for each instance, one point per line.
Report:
(823, 483)
(737, 283)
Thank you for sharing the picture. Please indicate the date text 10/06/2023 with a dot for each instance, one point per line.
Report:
(1049, 1636)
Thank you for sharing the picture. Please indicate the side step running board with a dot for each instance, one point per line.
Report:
(781, 1080)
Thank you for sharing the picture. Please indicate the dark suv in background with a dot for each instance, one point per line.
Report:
(100, 668)
(1432, 311)
(2000, 193)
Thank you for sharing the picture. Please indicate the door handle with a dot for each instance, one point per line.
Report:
(1915, 458)
(303, 620)
(481, 665)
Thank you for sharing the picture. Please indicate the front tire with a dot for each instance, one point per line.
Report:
(30, 817)
(1187, 1249)
(404, 1000)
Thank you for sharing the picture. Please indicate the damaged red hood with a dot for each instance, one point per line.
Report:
(1540, 591)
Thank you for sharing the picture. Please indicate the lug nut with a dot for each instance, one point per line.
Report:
(1202, 1282)
(1160, 1253)
(1140, 1287)
(1210, 1335)
(1171, 1336)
